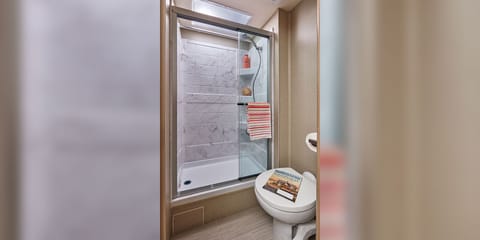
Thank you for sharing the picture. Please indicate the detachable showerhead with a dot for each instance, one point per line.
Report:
(250, 39)
(259, 49)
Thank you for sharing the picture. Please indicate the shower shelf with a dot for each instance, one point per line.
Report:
(244, 100)
(246, 72)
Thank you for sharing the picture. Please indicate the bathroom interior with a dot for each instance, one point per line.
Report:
(225, 59)
(81, 125)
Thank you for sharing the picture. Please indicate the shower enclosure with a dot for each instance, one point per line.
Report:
(220, 67)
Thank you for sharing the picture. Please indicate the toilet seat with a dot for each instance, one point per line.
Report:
(306, 196)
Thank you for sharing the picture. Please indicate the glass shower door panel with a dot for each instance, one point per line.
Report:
(254, 86)
(207, 127)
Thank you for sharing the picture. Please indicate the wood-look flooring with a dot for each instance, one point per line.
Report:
(251, 224)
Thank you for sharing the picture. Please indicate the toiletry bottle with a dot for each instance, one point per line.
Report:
(246, 61)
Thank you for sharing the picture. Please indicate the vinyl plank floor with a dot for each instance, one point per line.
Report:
(251, 224)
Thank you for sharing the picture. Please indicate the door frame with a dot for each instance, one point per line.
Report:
(176, 13)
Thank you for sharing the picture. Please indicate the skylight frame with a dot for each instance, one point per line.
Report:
(221, 11)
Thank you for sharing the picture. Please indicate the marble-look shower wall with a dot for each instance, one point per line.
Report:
(210, 120)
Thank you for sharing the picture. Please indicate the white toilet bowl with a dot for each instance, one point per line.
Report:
(291, 220)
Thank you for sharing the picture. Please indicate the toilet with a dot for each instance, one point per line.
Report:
(291, 220)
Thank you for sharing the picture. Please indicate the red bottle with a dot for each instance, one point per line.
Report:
(246, 61)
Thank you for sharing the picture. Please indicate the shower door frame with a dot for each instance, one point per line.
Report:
(176, 13)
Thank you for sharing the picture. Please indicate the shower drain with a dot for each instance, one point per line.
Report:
(187, 182)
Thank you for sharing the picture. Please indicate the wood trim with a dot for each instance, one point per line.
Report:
(8, 120)
(164, 127)
(318, 122)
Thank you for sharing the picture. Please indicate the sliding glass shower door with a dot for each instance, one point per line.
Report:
(218, 71)
(254, 86)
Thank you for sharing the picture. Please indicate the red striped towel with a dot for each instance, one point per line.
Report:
(259, 120)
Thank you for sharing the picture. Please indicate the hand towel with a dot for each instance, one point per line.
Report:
(259, 120)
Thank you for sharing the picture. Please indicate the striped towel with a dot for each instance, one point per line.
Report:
(259, 120)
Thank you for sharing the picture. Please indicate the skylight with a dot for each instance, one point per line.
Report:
(220, 11)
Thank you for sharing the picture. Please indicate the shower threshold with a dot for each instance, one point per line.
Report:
(214, 171)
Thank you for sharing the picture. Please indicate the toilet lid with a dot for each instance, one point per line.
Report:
(305, 199)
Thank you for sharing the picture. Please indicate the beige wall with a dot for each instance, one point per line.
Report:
(414, 77)
(448, 87)
(279, 25)
(303, 84)
(383, 120)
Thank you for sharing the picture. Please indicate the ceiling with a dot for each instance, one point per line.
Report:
(260, 10)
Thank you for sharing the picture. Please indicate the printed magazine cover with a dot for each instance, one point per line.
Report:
(284, 184)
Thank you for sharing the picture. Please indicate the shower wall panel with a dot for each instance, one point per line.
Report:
(210, 127)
